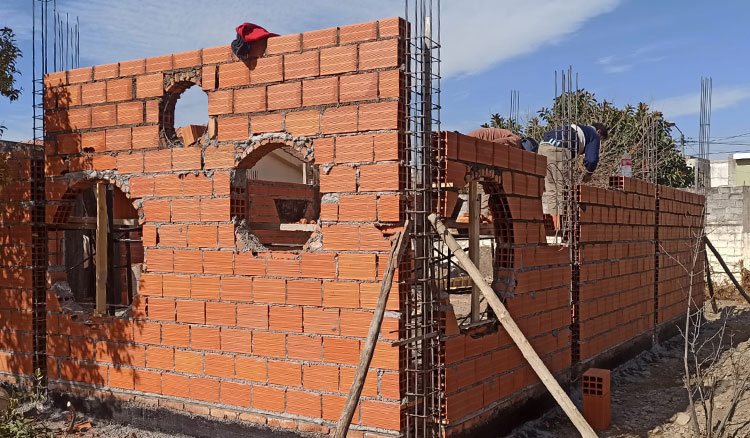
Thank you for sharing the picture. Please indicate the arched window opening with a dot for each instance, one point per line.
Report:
(275, 200)
(73, 250)
(184, 116)
(495, 249)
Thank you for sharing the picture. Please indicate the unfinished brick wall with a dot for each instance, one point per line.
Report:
(483, 367)
(16, 329)
(631, 238)
(273, 336)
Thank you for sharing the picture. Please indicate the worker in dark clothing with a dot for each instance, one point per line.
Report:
(564, 144)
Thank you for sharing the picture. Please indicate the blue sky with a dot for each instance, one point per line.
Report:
(624, 51)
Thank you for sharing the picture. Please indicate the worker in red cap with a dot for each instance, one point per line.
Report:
(247, 33)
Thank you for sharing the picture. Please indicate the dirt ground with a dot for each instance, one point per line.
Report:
(648, 395)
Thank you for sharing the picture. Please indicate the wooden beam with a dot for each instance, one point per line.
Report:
(710, 283)
(397, 249)
(101, 249)
(740, 289)
(515, 333)
(474, 222)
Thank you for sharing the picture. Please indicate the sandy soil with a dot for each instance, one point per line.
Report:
(648, 395)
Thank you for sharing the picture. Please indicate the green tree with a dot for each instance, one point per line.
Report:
(631, 129)
(9, 54)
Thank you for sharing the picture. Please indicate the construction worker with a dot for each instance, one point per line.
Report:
(564, 144)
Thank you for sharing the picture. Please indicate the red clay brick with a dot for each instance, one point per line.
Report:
(303, 403)
(175, 335)
(197, 185)
(320, 91)
(204, 389)
(161, 309)
(156, 210)
(202, 236)
(303, 123)
(379, 177)
(119, 90)
(158, 160)
(204, 288)
(282, 96)
(253, 316)
(250, 100)
(267, 398)
(204, 338)
(283, 44)
(120, 377)
(235, 394)
(284, 373)
(389, 84)
(318, 265)
(93, 140)
(129, 113)
(265, 70)
(233, 128)
(341, 294)
(187, 158)
(236, 289)
(209, 77)
(247, 264)
(158, 63)
(105, 115)
(236, 341)
(149, 85)
(94, 92)
(69, 143)
(319, 38)
(357, 208)
(185, 210)
(220, 365)
(235, 74)
(320, 321)
(215, 209)
(269, 344)
(221, 314)
(252, 369)
(266, 290)
(339, 350)
(321, 378)
(378, 54)
(389, 208)
(301, 65)
(106, 71)
(285, 319)
(355, 324)
(267, 123)
(357, 266)
(323, 150)
(390, 27)
(188, 261)
(380, 414)
(175, 386)
(214, 55)
(340, 119)
(339, 179)
(336, 60)
(358, 32)
(145, 136)
(354, 148)
(188, 362)
(379, 116)
(305, 348)
(358, 87)
(148, 381)
(130, 163)
(220, 102)
(191, 311)
(187, 59)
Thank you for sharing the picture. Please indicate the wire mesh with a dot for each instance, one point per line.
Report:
(422, 375)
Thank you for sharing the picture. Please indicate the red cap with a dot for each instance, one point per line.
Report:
(253, 32)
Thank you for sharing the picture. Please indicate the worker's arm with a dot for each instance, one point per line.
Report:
(591, 154)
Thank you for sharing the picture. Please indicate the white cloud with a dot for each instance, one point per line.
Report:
(476, 35)
(687, 104)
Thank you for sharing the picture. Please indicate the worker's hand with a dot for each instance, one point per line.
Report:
(587, 177)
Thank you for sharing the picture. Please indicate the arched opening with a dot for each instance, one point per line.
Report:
(185, 112)
(275, 199)
(495, 252)
(73, 249)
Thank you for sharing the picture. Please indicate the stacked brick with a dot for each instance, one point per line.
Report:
(681, 253)
(616, 255)
(484, 370)
(263, 197)
(16, 330)
(271, 337)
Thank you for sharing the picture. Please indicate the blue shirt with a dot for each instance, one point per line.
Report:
(590, 148)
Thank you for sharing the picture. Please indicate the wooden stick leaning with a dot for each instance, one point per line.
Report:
(726, 269)
(102, 225)
(365, 358)
(515, 333)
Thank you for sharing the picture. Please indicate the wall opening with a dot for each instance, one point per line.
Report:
(72, 251)
(184, 115)
(275, 199)
(495, 249)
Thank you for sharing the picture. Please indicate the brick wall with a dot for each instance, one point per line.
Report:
(274, 336)
(631, 239)
(16, 330)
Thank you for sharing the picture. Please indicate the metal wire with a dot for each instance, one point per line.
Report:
(421, 343)
(702, 168)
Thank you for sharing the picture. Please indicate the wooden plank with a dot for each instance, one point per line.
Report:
(101, 249)
(365, 358)
(740, 289)
(515, 333)
(710, 283)
(474, 234)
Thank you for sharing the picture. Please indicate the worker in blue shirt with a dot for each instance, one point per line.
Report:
(565, 144)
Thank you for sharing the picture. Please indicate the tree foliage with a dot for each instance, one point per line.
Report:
(9, 54)
(631, 129)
